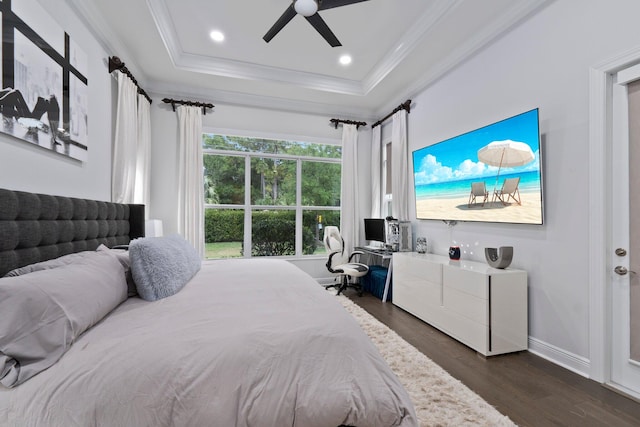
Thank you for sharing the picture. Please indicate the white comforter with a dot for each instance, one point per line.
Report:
(245, 343)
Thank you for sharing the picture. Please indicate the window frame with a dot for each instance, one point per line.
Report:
(248, 207)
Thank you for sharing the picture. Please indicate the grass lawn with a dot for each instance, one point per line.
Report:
(223, 250)
(232, 250)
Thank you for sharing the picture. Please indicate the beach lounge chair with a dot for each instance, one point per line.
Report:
(508, 191)
(478, 189)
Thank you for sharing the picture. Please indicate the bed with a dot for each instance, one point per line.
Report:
(253, 342)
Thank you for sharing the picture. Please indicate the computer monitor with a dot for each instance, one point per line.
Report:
(375, 230)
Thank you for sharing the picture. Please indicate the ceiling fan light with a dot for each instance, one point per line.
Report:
(306, 7)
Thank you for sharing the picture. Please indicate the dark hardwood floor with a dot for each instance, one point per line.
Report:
(530, 390)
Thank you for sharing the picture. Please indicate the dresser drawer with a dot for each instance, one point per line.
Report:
(417, 285)
(415, 268)
(466, 305)
(466, 281)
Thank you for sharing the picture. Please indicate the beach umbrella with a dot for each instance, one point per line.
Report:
(505, 153)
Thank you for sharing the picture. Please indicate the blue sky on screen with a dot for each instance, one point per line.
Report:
(457, 158)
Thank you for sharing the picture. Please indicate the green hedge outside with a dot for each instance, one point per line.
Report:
(273, 232)
(223, 225)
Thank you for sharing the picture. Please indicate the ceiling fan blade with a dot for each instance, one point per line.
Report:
(324, 30)
(284, 19)
(330, 4)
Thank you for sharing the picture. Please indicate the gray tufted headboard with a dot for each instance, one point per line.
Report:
(38, 227)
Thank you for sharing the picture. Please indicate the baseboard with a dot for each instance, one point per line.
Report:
(325, 280)
(578, 364)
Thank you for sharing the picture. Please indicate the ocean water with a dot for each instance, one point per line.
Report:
(529, 182)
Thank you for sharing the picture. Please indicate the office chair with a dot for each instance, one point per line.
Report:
(340, 263)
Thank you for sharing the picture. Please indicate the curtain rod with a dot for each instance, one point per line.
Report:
(173, 103)
(349, 122)
(116, 64)
(406, 105)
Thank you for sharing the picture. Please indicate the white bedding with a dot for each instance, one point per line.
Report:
(245, 343)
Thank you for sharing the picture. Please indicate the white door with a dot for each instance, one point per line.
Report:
(624, 286)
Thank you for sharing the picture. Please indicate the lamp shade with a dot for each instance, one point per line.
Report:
(153, 228)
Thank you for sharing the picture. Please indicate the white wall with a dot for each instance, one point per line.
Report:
(543, 63)
(244, 121)
(26, 167)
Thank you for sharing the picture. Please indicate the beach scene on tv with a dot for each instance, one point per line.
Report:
(491, 174)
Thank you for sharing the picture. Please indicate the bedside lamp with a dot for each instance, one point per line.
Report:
(153, 228)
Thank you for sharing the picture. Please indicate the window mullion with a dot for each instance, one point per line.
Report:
(247, 207)
(299, 207)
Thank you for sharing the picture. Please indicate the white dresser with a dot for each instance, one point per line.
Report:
(484, 308)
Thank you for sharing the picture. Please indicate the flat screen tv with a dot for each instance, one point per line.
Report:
(491, 174)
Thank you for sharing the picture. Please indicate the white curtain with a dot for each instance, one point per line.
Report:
(190, 176)
(142, 192)
(376, 170)
(350, 218)
(123, 170)
(399, 166)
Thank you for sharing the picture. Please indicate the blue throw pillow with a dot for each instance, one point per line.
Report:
(161, 266)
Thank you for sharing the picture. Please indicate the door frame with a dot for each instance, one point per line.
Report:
(600, 181)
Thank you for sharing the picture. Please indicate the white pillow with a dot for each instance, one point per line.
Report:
(45, 311)
(123, 256)
(49, 264)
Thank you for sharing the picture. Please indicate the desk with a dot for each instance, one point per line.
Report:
(384, 256)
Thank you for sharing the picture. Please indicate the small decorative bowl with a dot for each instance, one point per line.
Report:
(500, 257)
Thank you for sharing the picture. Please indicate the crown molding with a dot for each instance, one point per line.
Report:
(242, 70)
(409, 42)
(94, 22)
(520, 11)
(105, 36)
(222, 97)
(239, 69)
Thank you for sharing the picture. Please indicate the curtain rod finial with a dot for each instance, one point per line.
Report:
(115, 63)
(407, 105)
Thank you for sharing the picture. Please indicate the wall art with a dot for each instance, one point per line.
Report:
(44, 95)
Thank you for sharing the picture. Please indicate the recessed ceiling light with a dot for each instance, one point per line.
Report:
(216, 36)
(345, 59)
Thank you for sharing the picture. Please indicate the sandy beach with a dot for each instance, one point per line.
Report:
(458, 209)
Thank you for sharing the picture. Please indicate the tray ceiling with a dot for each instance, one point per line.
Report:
(398, 47)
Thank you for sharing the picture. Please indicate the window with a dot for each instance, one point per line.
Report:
(271, 196)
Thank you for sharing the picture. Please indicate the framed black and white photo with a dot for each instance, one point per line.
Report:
(44, 95)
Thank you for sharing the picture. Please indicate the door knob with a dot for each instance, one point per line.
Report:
(622, 270)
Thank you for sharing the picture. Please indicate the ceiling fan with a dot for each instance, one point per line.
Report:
(309, 9)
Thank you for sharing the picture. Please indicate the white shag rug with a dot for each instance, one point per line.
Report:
(438, 398)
